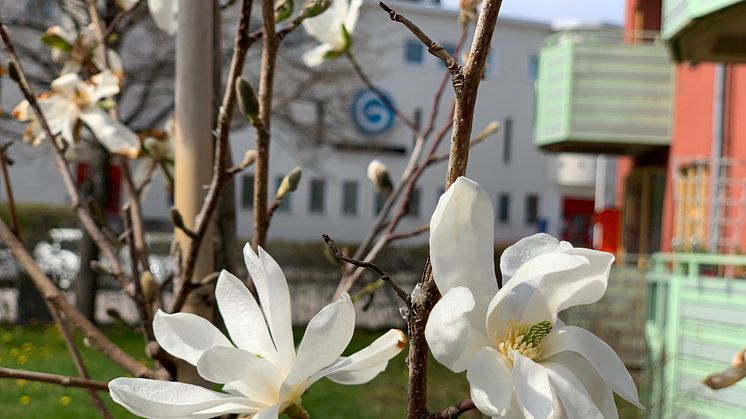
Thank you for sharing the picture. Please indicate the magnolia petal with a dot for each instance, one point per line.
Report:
(114, 135)
(598, 354)
(316, 56)
(242, 316)
(532, 390)
(524, 250)
(595, 278)
(451, 332)
(126, 4)
(223, 364)
(66, 84)
(106, 84)
(165, 399)
(186, 336)
(165, 14)
(326, 337)
(352, 15)
(532, 294)
(369, 361)
(59, 113)
(281, 324)
(490, 382)
(600, 393)
(272, 412)
(261, 383)
(462, 243)
(571, 393)
(22, 111)
(323, 27)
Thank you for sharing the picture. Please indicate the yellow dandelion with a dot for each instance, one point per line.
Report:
(65, 400)
(24, 400)
(20, 382)
(26, 347)
(22, 359)
(7, 337)
(35, 386)
(14, 352)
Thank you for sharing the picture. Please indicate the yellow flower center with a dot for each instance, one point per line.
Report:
(523, 338)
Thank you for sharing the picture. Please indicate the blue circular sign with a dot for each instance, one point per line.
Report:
(370, 114)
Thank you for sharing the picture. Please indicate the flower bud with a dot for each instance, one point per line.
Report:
(149, 287)
(247, 102)
(379, 175)
(289, 182)
(248, 158)
(283, 10)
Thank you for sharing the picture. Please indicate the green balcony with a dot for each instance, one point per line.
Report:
(597, 94)
(696, 306)
(706, 30)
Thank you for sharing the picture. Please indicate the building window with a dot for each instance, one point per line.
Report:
(503, 209)
(247, 191)
(285, 204)
(413, 206)
(533, 67)
(507, 139)
(532, 208)
(349, 197)
(316, 203)
(414, 52)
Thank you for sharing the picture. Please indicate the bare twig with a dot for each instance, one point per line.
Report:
(370, 266)
(408, 234)
(452, 412)
(729, 376)
(9, 189)
(47, 289)
(270, 43)
(78, 360)
(118, 18)
(485, 134)
(219, 176)
(86, 219)
(64, 380)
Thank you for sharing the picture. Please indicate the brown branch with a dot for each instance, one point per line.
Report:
(143, 307)
(78, 360)
(488, 131)
(270, 43)
(63, 380)
(219, 176)
(9, 189)
(86, 219)
(452, 412)
(118, 18)
(46, 288)
(408, 234)
(370, 266)
(433, 47)
(729, 376)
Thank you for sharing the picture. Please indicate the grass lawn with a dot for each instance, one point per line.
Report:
(41, 348)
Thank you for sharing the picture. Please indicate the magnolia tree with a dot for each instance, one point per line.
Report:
(520, 359)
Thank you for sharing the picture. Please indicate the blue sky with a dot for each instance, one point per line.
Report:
(611, 11)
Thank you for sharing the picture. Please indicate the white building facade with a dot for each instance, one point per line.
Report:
(527, 187)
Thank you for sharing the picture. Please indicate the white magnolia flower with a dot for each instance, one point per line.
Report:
(164, 12)
(328, 29)
(72, 100)
(262, 374)
(74, 50)
(158, 155)
(521, 361)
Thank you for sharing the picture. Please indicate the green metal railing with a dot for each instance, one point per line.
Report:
(696, 321)
(677, 14)
(595, 92)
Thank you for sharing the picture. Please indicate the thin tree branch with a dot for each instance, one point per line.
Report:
(452, 412)
(370, 266)
(408, 234)
(118, 18)
(219, 176)
(78, 361)
(63, 380)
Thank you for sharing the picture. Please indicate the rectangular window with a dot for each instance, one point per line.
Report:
(247, 191)
(285, 205)
(533, 67)
(414, 52)
(349, 197)
(413, 207)
(316, 203)
(507, 140)
(503, 208)
(532, 208)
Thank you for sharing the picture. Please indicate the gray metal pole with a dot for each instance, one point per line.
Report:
(716, 151)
